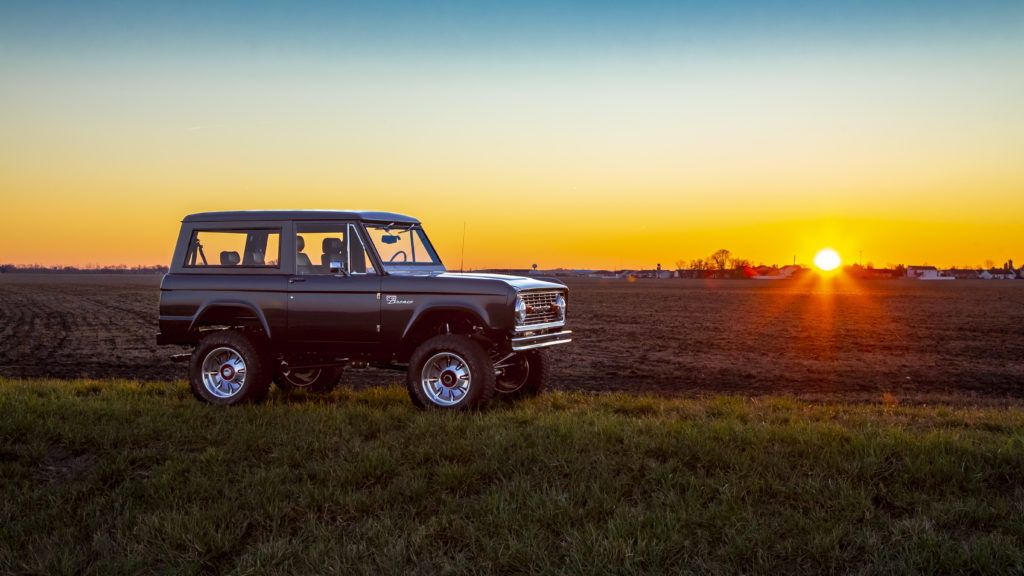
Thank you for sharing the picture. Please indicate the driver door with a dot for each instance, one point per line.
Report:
(333, 294)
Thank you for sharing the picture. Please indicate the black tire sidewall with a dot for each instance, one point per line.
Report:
(324, 383)
(481, 387)
(257, 379)
(538, 374)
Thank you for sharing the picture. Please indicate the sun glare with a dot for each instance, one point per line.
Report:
(827, 259)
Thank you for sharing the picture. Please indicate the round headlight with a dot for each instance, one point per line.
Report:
(520, 311)
(560, 302)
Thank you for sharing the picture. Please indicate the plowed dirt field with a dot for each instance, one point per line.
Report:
(814, 338)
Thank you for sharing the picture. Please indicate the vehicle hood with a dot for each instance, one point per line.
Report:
(517, 282)
(469, 283)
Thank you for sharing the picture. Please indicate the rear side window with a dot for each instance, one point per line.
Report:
(249, 248)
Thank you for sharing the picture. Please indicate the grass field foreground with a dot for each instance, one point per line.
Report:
(102, 477)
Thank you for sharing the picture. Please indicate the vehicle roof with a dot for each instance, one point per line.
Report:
(248, 215)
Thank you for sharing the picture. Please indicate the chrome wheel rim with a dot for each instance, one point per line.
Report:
(301, 378)
(446, 379)
(514, 373)
(223, 372)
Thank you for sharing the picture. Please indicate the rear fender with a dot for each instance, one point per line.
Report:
(230, 313)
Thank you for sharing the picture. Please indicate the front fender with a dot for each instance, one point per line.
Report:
(476, 314)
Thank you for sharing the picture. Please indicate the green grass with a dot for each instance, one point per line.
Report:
(102, 477)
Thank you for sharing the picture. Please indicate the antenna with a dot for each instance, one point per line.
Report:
(462, 259)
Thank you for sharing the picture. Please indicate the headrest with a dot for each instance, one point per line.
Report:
(333, 245)
(300, 244)
(229, 258)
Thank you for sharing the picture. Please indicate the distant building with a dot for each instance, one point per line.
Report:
(923, 272)
(997, 274)
(651, 274)
(962, 273)
(507, 271)
(775, 273)
(791, 270)
(874, 273)
(685, 273)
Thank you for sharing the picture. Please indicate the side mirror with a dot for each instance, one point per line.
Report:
(337, 268)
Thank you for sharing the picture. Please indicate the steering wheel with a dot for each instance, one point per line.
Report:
(405, 257)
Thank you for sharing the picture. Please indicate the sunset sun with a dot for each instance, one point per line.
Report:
(827, 259)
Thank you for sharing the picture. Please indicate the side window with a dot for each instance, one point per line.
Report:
(249, 248)
(319, 244)
(360, 258)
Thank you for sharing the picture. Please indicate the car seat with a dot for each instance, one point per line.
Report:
(334, 251)
(229, 258)
(304, 263)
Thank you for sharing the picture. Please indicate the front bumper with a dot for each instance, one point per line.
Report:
(541, 340)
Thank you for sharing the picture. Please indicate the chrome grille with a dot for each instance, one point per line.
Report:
(540, 307)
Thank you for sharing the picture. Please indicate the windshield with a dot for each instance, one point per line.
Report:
(401, 245)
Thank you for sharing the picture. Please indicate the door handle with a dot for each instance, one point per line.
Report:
(295, 279)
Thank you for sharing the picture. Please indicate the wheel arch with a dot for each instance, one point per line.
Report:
(230, 313)
(440, 320)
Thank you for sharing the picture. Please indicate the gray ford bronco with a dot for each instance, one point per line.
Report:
(295, 296)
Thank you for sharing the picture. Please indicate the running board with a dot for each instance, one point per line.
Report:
(337, 362)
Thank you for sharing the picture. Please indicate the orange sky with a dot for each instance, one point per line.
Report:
(902, 141)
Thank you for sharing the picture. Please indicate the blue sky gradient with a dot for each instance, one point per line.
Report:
(462, 28)
(811, 122)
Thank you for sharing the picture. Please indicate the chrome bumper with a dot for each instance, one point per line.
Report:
(541, 340)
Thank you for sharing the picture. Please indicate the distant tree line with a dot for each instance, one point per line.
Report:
(90, 269)
(720, 260)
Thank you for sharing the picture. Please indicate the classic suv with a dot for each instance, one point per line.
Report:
(295, 296)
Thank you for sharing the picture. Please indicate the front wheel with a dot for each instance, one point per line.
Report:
(315, 380)
(450, 372)
(523, 374)
(229, 367)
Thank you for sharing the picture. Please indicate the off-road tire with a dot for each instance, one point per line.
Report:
(226, 354)
(450, 372)
(314, 381)
(527, 380)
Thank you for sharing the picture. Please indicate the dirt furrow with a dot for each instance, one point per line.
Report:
(848, 340)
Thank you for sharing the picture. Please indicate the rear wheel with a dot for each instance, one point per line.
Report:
(523, 374)
(315, 380)
(229, 367)
(450, 372)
